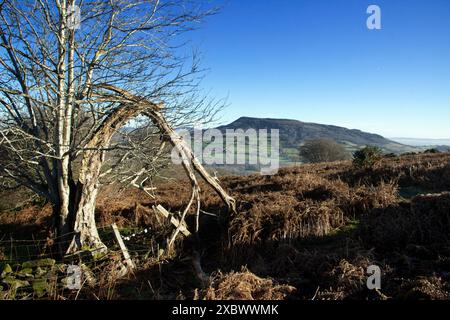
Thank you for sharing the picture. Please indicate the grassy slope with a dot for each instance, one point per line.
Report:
(314, 228)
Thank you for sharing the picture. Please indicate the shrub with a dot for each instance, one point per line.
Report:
(323, 150)
(433, 150)
(367, 157)
(390, 155)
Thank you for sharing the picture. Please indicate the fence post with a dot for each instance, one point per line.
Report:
(122, 246)
(180, 225)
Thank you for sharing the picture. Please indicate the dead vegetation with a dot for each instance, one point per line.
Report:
(423, 221)
(314, 228)
(244, 285)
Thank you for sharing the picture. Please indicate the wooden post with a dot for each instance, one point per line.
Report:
(122, 246)
(173, 220)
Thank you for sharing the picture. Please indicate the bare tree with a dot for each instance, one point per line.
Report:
(93, 103)
(323, 150)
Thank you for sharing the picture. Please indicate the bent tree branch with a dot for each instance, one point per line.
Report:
(93, 159)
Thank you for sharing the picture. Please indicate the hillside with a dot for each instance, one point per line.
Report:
(309, 232)
(293, 133)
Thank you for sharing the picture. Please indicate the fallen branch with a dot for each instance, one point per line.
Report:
(123, 248)
(180, 226)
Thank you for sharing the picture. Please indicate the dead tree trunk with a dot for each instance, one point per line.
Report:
(86, 234)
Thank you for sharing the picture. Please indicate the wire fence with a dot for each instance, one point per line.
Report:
(37, 269)
(138, 242)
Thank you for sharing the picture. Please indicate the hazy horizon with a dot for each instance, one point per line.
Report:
(417, 142)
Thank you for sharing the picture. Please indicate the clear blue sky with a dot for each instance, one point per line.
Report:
(316, 61)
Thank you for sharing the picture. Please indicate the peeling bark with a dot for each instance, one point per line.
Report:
(86, 234)
(61, 138)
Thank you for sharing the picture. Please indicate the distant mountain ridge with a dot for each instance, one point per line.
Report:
(293, 133)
